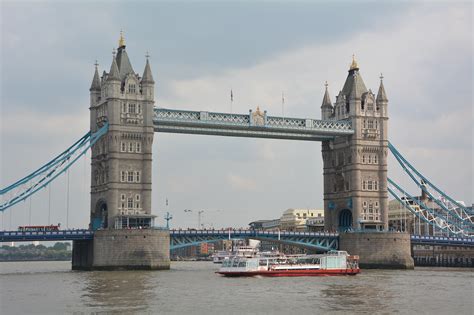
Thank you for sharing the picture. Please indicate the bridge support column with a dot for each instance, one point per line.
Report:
(379, 249)
(145, 249)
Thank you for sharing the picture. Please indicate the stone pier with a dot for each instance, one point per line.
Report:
(379, 249)
(135, 249)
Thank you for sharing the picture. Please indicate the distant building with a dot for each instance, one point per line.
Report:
(296, 219)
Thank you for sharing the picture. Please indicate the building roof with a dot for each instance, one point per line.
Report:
(123, 62)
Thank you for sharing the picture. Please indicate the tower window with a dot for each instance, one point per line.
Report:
(137, 177)
(130, 177)
(139, 108)
(122, 176)
(124, 108)
(132, 108)
(132, 88)
(375, 159)
(375, 185)
(123, 147)
(130, 203)
(370, 159)
(363, 159)
(364, 185)
(138, 147)
(376, 124)
(130, 147)
(370, 124)
(369, 185)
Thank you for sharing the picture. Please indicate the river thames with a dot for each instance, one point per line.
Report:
(194, 288)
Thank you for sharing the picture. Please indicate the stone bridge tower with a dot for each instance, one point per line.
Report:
(122, 159)
(355, 167)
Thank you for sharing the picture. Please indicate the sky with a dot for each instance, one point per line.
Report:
(199, 52)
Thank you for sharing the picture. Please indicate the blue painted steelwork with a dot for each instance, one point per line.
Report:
(40, 178)
(238, 125)
(66, 235)
(423, 183)
(310, 240)
(431, 216)
(184, 238)
(436, 240)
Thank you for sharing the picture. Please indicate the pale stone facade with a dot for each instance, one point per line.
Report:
(122, 160)
(296, 219)
(355, 167)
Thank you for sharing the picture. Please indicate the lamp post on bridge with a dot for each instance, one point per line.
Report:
(168, 217)
(200, 212)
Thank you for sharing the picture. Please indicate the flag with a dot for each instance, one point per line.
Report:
(231, 96)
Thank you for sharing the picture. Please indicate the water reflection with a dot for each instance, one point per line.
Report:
(366, 295)
(121, 291)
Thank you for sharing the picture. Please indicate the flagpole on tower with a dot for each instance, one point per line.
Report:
(282, 104)
(231, 100)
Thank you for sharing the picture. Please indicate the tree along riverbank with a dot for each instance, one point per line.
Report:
(31, 252)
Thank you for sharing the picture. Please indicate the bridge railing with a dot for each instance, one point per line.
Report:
(203, 118)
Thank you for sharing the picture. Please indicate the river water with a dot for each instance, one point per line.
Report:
(194, 288)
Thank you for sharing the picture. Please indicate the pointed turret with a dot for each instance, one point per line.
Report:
(354, 84)
(147, 75)
(114, 73)
(326, 106)
(95, 86)
(381, 95)
(326, 98)
(123, 62)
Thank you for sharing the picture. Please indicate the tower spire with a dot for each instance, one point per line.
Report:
(326, 97)
(381, 95)
(353, 64)
(121, 40)
(147, 76)
(95, 86)
(114, 73)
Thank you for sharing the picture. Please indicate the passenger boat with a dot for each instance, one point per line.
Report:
(239, 251)
(330, 264)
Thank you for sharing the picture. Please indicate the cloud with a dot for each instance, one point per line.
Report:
(425, 55)
(241, 183)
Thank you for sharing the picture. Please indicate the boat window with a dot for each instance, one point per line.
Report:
(242, 264)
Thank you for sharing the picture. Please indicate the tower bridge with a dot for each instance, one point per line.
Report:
(355, 147)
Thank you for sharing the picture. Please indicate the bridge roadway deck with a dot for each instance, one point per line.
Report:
(254, 125)
(210, 235)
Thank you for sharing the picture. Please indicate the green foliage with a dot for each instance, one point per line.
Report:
(59, 251)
